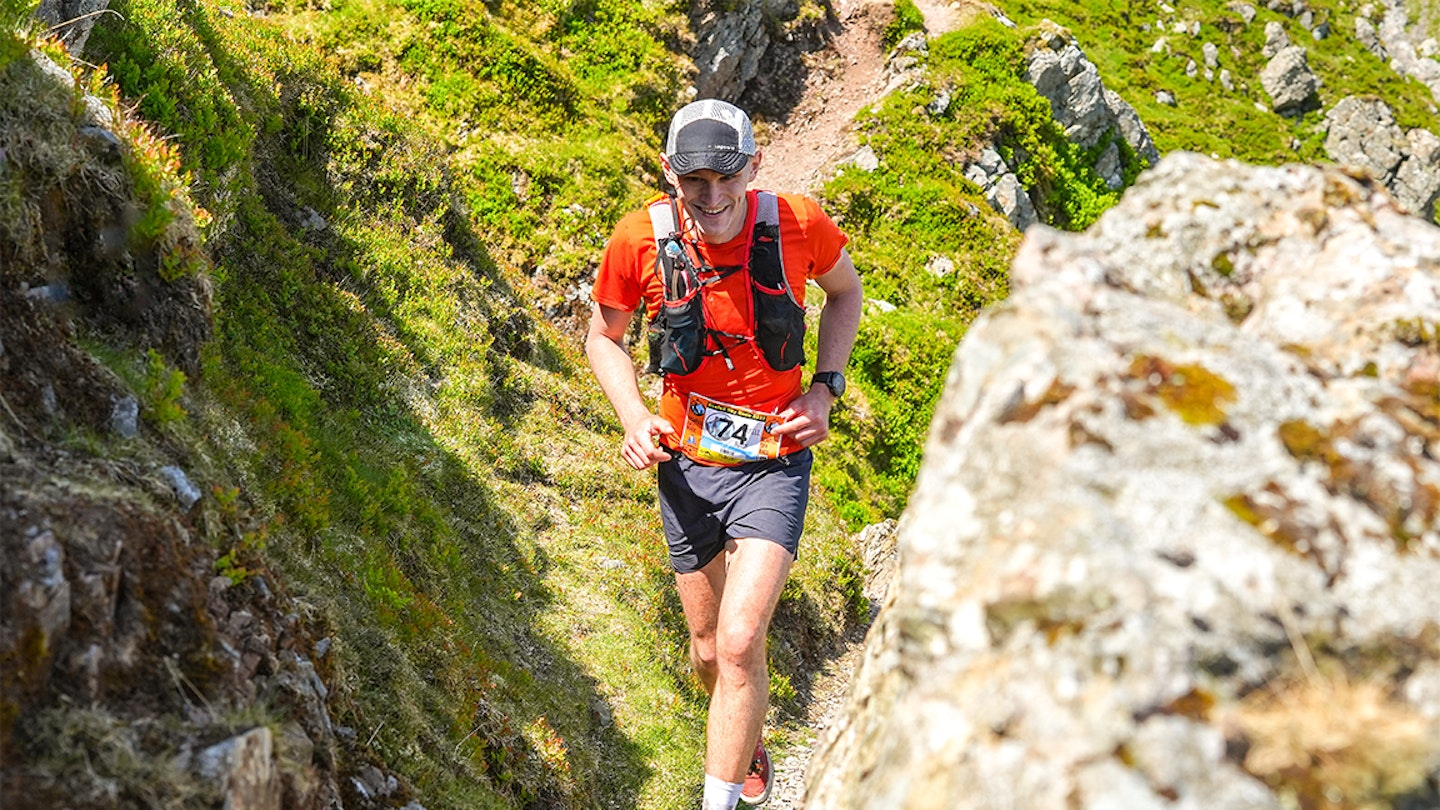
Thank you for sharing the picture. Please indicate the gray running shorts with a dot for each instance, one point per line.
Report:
(703, 506)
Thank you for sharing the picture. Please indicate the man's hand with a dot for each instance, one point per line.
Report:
(641, 448)
(807, 418)
(605, 347)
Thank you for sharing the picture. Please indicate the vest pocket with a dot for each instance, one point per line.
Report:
(779, 328)
(682, 336)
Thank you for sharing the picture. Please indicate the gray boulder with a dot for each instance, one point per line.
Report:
(1174, 542)
(1417, 181)
(1132, 129)
(1062, 74)
(1289, 82)
(1089, 112)
(1405, 58)
(72, 20)
(1363, 134)
(730, 44)
(1002, 189)
(1368, 36)
(1275, 40)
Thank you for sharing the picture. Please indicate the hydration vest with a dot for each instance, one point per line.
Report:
(680, 337)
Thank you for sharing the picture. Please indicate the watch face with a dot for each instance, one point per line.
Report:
(833, 380)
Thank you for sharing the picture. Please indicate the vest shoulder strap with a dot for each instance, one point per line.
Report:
(767, 208)
(662, 220)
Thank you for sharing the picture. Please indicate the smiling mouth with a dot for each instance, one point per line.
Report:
(713, 211)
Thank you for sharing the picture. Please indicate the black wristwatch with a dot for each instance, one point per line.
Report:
(833, 380)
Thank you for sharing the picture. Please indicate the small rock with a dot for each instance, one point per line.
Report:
(1275, 39)
(310, 220)
(939, 104)
(52, 293)
(601, 714)
(125, 417)
(243, 768)
(940, 266)
(102, 142)
(187, 492)
(865, 159)
(1165, 97)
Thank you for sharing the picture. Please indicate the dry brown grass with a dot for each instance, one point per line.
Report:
(1335, 744)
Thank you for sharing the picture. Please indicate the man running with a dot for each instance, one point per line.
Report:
(722, 271)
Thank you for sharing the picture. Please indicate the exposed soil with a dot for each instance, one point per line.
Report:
(802, 149)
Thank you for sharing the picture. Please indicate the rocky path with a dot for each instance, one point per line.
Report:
(798, 156)
(843, 79)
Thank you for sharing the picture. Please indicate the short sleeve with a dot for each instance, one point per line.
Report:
(617, 283)
(822, 237)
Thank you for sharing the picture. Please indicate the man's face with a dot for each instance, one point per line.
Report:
(714, 202)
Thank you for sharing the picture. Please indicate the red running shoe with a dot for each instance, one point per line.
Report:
(759, 779)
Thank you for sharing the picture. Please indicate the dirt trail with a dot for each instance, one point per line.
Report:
(798, 157)
(844, 78)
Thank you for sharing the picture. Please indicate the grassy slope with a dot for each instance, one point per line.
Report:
(1206, 117)
(424, 460)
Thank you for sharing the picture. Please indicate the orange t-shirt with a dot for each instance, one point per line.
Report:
(810, 245)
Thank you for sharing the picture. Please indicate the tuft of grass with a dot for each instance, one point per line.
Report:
(907, 20)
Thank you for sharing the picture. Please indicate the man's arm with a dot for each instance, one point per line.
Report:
(808, 417)
(605, 348)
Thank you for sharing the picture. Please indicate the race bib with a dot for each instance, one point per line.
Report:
(715, 431)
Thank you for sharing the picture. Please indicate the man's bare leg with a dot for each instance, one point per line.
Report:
(728, 605)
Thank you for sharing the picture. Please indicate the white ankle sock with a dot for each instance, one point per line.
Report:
(721, 795)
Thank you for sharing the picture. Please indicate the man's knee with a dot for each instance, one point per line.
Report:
(741, 648)
(703, 652)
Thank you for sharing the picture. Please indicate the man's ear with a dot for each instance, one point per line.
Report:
(670, 176)
(754, 167)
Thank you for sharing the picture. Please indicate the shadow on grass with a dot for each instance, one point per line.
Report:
(433, 586)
